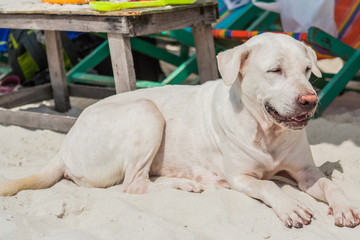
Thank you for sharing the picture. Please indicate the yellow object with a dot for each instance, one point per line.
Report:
(67, 1)
(115, 6)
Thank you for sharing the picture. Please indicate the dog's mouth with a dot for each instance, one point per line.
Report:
(295, 122)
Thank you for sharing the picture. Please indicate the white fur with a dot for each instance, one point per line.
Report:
(216, 133)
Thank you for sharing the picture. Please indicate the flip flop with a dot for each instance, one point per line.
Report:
(9, 84)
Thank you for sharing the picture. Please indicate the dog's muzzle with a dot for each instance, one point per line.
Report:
(304, 109)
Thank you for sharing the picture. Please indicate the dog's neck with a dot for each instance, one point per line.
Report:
(238, 122)
(242, 104)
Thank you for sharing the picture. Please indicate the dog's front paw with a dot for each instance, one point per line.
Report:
(346, 215)
(294, 214)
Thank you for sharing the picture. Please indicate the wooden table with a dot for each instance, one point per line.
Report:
(119, 26)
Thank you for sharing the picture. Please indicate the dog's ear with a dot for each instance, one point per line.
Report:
(312, 55)
(230, 63)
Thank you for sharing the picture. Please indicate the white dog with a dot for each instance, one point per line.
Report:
(236, 133)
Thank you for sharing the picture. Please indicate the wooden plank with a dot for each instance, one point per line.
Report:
(64, 23)
(26, 96)
(122, 62)
(147, 24)
(36, 120)
(36, 7)
(205, 52)
(90, 91)
(57, 70)
(131, 25)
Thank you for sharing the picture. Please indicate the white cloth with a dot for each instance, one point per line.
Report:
(232, 4)
(299, 15)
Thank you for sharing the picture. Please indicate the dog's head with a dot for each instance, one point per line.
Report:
(272, 72)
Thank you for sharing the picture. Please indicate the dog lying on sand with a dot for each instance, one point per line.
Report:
(235, 133)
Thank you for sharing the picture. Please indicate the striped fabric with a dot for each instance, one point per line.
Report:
(244, 35)
(347, 18)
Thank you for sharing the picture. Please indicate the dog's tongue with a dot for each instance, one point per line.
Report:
(300, 118)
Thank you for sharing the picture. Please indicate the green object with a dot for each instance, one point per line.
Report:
(27, 65)
(93, 79)
(116, 6)
(158, 53)
(90, 61)
(337, 83)
(327, 42)
(248, 17)
(78, 74)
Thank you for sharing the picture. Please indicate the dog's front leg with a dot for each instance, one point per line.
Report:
(289, 210)
(313, 181)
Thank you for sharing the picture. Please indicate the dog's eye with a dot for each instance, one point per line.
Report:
(308, 69)
(275, 70)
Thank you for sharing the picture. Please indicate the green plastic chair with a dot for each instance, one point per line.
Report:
(332, 85)
(247, 17)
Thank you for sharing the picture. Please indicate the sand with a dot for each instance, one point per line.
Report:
(66, 211)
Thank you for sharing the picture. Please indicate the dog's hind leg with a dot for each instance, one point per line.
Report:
(142, 149)
(137, 174)
(50, 175)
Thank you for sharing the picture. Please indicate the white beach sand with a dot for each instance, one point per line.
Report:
(66, 211)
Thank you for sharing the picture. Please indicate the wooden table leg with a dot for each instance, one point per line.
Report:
(57, 70)
(205, 52)
(122, 62)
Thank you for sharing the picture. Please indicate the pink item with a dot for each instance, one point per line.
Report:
(9, 84)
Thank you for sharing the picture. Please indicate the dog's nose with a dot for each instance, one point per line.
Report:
(308, 100)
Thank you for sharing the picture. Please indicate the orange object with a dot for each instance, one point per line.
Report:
(347, 18)
(67, 1)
